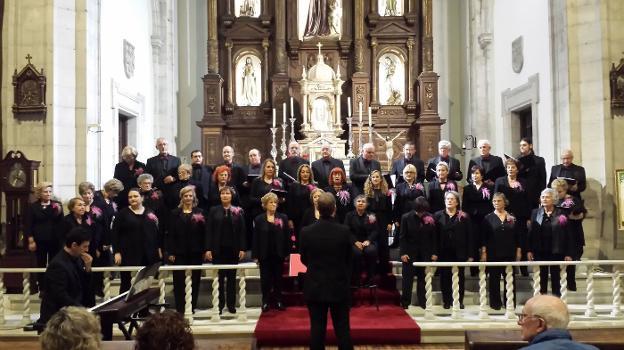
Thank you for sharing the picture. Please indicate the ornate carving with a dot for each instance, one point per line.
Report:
(29, 93)
(128, 58)
(616, 77)
(517, 55)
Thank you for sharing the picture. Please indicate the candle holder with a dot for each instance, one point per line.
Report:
(350, 154)
(370, 133)
(360, 126)
(283, 147)
(292, 129)
(273, 144)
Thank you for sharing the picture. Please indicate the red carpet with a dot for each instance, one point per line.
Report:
(389, 325)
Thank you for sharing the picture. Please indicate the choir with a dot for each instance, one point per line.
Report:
(187, 214)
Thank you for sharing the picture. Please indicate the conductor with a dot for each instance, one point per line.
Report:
(326, 251)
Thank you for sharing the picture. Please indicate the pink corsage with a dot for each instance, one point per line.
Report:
(278, 222)
(511, 219)
(451, 186)
(198, 218)
(419, 187)
(96, 211)
(55, 207)
(344, 197)
(372, 219)
(461, 215)
(485, 192)
(389, 193)
(567, 203)
(236, 211)
(277, 183)
(310, 187)
(89, 221)
(152, 217)
(562, 220)
(517, 185)
(154, 196)
(138, 171)
(114, 206)
(428, 220)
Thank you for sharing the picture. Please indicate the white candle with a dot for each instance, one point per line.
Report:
(273, 117)
(370, 117)
(284, 110)
(292, 107)
(349, 106)
(360, 110)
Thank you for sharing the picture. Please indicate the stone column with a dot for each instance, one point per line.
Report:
(358, 9)
(374, 70)
(213, 41)
(265, 71)
(230, 83)
(280, 36)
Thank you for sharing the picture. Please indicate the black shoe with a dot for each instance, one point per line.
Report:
(280, 306)
(461, 306)
(572, 288)
(232, 309)
(447, 305)
(265, 307)
(405, 305)
(496, 307)
(220, 311)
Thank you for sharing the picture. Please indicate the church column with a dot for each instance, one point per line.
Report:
(213, 42)
(228, 45)
(410, 63)
(280, 78)
(265, 71)
(374, 70)
(359, 35)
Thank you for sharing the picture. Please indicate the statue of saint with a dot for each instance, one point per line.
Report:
(321, 115)
(394, 97)
(249, 93)
(391, 8)
(324, 18)
(248, 8)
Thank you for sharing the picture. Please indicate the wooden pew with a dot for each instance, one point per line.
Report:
(604, 339)
(202, 344)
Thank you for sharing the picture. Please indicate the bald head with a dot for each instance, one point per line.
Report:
(228, 154)
(552, 309)
(368, 151)
(293, 149)
(567, 157)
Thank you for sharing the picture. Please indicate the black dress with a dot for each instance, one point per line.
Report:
(172, 193)
(477, 202)
(270, 248)
(225, 238)
(380, 204)
(573, 207)
(186, 241)
(501, 239)
(405, 196)
(455, 234)
(297, 202)
(128, 178)
(215, 197)
(137, 238)
(363, 228)
(436, 193)
(258, 189)
(43, 223)
(155, 201)
(519, 204)
(344, 200)
(419, 240)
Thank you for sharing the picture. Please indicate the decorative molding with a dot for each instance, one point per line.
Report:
(29, 88)
(616, 79)
(517, 99)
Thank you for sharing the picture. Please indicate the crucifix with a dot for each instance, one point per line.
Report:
(28, 57)
(389, 145)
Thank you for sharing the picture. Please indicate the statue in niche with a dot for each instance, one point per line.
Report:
(390, 7)
(394, 96)
(248, 8)
(248, 76)
(323, 18)
(321, 115)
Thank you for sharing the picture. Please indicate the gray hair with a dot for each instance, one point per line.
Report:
(454, 194)
(444, 144)
(145, 176)
(367, 145)
(551, 192)
(483, 142)
(444, 164)
(552, 310)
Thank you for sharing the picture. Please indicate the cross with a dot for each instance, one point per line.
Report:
(28, 57)
(319, 45)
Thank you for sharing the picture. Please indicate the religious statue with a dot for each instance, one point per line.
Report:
(248, 8)
(391, 8)
(248, 79)
(321, 115)
(389, 145)
(394, 97)
(323, 18)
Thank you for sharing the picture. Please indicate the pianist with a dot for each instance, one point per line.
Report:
(67, 276)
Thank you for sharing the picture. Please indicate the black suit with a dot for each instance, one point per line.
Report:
(454, 168)
(322, 167)
(290, 166)
(360, 169)
(66, 281)
(326, 251)
(493, 168)
(399, 164)
(162, 166)
(533, 171)
(202, 175)
(238, 177)
(573, 171)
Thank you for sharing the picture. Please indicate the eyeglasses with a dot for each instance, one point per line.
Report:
(522, 317)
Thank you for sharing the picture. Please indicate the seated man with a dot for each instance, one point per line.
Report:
(72, 328)
(67, 277)
(544, 321)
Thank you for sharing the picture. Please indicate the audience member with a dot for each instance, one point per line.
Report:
(165, 330)
(72, 328)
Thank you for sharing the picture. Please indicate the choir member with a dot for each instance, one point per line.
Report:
(342, 191)
(418, 242)
(104, 209)
(406, 192)
(164, 166)
(202, 175)
(575, 210)
(255, 162)
(136, 237)
(380, 203)
(172, 193)
(127, 172)
(363, 226)
(270, 247)
(43, 220)
(265, 183)
(550, 239)
(477, 202)
(491, 165)
(288, 167)
(298, 198)
(454, 168)
(501, 242)
(312, 214)
(439, 186)
(153, 198)
(222, 178)
(185, 244)
(101, 256)
(456, 244)
(532, 170)
(409, 158)
(226, 244)
(361, 167)
(567, 169)
(238, 173)
(322, 167)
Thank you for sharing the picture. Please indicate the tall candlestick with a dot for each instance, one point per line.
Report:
(284, 112)
(292, 107)
(349, 106)
(370, 116)
(274, 117)
(360, 110)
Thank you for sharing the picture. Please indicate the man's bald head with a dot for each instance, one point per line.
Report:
(567, 157)
(543, 312)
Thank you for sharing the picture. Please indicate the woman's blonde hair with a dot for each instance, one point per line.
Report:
(186, 167)
(410, 168)
(268, 160)
(72, 328)
(185, 190)
(40, 187)
(559, 183)
(268, 197)
(113, 186)
(301, 168)
(129, 151)
(313, 192)
(369, 191)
